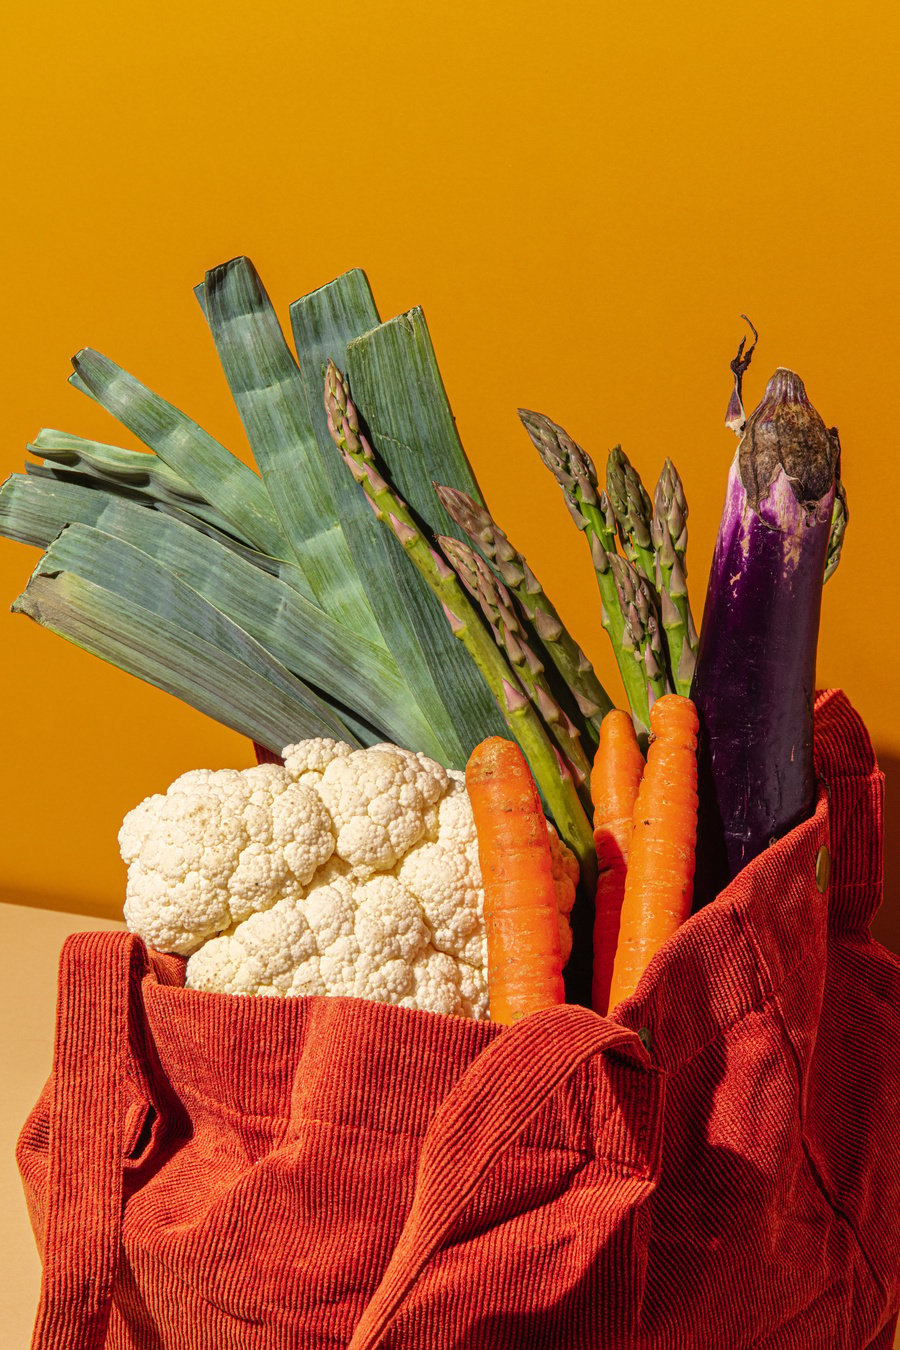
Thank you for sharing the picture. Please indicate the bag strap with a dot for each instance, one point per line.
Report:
(98, 973)
(475, 1125)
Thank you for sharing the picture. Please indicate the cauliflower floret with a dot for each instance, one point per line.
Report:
(389, 920)
(446, 877)
(265, 951)
(378, 800)
(306, 761)
(435, 984)
(216, 847)
(473, 990)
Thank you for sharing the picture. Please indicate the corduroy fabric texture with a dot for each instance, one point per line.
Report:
(206, 1172)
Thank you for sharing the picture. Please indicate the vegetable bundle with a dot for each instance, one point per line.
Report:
(357, 587)
(338, 872)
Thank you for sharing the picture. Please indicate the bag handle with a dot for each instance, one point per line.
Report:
(475, 1125)
(97, 974)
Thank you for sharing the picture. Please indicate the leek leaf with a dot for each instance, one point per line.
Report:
(323, 323)
(397, 388)
(344, 668)
(219, 477)
(124, 606)
(268, 391)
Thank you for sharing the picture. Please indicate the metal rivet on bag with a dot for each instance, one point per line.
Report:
(823, 869)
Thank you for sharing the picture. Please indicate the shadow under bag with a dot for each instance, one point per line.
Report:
(205, 1171)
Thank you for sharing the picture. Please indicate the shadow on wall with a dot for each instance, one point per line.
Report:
(886, 924)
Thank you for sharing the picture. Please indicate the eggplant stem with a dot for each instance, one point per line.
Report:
(735, 417)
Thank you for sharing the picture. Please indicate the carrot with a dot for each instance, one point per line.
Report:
(520, 911)
(660, 878)
(615, 779)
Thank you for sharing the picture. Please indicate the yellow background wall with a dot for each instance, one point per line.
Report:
(583, 197)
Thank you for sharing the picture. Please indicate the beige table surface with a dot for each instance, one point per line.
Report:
(31, 940)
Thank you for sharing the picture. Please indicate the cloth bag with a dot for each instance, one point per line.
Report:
(715, 1166)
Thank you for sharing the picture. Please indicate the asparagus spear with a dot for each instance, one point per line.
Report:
(551, 774)
(573, 666)
(497, 606)
(574, 470)
(633, 511)
(668, 529)
(839, 517)
(641, 639)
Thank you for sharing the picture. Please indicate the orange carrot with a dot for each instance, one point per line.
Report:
(660, 879)
(520, 911)
(615, 779)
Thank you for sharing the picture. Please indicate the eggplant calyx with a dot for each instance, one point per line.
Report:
(784, 431)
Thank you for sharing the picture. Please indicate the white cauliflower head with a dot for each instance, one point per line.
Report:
(345, 872)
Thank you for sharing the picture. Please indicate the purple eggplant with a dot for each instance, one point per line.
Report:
(754, 682)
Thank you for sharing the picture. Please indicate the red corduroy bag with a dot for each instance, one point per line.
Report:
(205, 1171)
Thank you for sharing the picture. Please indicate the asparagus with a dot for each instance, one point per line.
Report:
(633, 511)
(574, 470)
(551, 774)
(641, 639)
(498, 608)
(839, 517)
(573, 666)
(668, 529)
(575, 473)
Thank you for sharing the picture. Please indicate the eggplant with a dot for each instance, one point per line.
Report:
(754, 683)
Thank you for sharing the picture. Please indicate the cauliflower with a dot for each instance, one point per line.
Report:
(344, 872)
